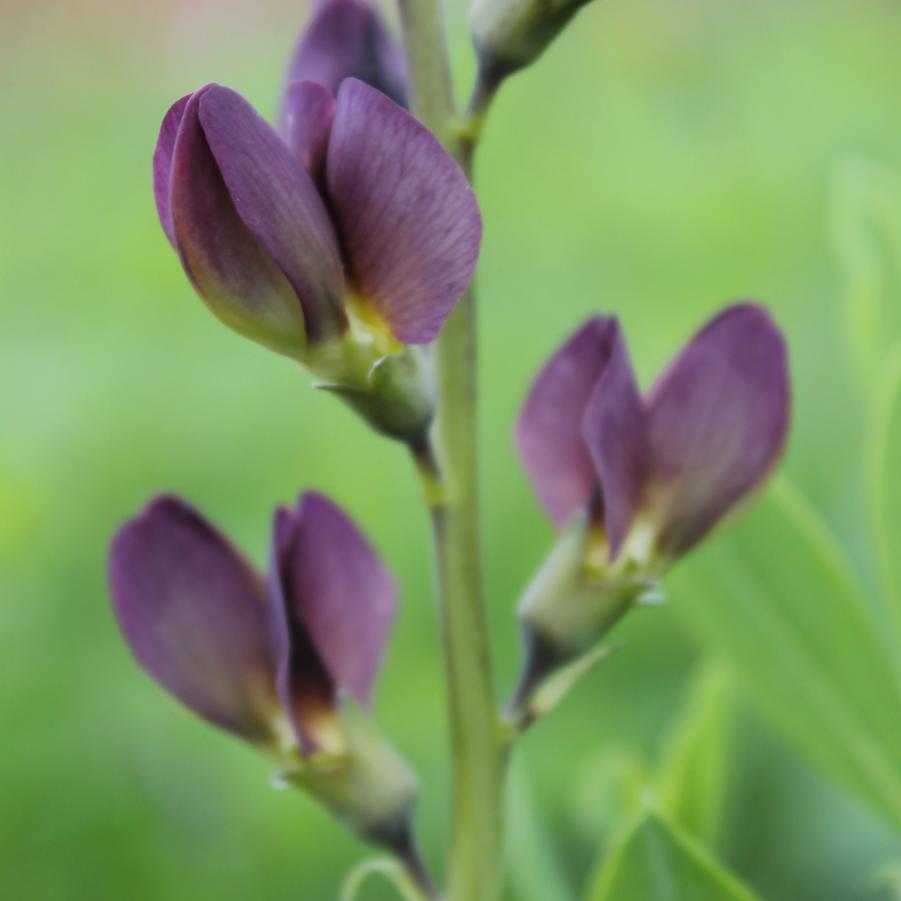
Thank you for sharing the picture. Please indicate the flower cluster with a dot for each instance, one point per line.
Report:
(343, 240)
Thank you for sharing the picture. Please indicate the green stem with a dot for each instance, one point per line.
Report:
(476, 737)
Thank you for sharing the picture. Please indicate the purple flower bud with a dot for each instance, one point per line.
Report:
(247, 221)
(634, 484)
(353, 236)
(583, 426)
(287, 663)
(347, 39)
(709, 432)
(225, 641)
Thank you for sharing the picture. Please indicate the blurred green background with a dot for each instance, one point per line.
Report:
(663, 158)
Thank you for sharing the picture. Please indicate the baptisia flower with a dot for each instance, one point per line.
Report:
(633, 483)
(348, 39)
(286, 661)
(343, 243)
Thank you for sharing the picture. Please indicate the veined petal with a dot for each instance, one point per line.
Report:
(192, 611)
(306, 689)
(408, 219)
(162, 163)
(718, 419)
(279, 204)
(232, 272)
(343, 594)
(615, 433)
(549, 434)
(348, 39)
(307, 120)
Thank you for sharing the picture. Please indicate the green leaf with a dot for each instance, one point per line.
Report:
(866, 229)
(778, 599)
(658, 862)
(885, 491)
(691, 784)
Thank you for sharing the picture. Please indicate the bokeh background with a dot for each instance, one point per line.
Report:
(662, 159)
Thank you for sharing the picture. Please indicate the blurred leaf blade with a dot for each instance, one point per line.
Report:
(657, 860)
(866, 233)
(885, 490)
(535, 872)
(692, 778)
(777, 598)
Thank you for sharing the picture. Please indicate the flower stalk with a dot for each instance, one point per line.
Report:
(476, 733)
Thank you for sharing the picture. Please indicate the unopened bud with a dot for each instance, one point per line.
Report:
(512, 34)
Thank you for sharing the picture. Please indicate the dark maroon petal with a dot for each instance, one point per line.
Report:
(342, 593)
(279, 204)
(306, 689)
(408, 219)
(309, 110)
(192, 611)
(162, 163)
(615, 433)
(718, 419)
(236, 277)
(549, 435)
(348, 39)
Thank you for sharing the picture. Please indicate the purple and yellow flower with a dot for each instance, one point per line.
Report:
(287, 661)
(338, 243)
(636, 482)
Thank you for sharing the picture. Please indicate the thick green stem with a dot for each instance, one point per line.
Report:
(476, 737)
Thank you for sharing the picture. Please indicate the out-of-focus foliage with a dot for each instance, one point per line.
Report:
(661, 159)
(885, 494)
(657, 860)
(693, 778)
(804, 643)
(866, 230)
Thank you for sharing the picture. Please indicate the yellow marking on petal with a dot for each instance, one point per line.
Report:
(366, 320)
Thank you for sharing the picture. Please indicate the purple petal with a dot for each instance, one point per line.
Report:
(309, 110)
(408, 219)
(306, 689)
(718, 419)
(348, 39)
(278, 202)
(549, 435)
(192, 611)
(162, 163)
(615, 433)
(236, 277)
(342, 593)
